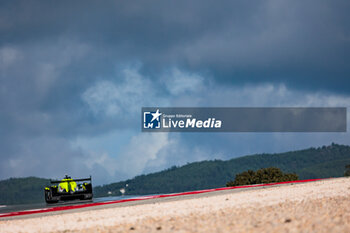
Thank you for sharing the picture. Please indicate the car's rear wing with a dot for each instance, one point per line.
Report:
(73, 180)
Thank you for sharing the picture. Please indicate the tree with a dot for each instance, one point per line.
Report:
(347, 170)
(262, 176)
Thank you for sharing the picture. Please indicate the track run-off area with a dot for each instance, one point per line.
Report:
(135, 201)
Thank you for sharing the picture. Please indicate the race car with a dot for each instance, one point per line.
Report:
(68, 189)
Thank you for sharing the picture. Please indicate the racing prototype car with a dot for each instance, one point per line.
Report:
(68, 189)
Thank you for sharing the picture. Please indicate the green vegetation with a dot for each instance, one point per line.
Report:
(326, 161)
(322, 162)
(262, 176)
(347, 171)
(22, 190)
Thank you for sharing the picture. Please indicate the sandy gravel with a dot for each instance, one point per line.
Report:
(322, 206)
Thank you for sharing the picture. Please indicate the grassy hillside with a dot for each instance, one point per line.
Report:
(326, 161)
(22, 190)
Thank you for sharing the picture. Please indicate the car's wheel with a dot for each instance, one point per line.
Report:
(48, 198)
(86, 197)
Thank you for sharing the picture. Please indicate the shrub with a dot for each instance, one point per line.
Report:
(262, 176)
(347, 170)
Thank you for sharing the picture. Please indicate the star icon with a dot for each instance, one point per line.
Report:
(156, 115)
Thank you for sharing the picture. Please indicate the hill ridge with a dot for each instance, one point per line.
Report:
(321, 162)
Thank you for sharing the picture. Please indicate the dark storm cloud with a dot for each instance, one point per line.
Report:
(302, 43)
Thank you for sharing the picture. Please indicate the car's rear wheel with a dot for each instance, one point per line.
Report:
(48, 198)
(86, 197)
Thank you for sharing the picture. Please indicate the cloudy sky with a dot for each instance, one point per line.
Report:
(74, 76)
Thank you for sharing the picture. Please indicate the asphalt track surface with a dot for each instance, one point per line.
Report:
(25, 207)
(40, 210)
